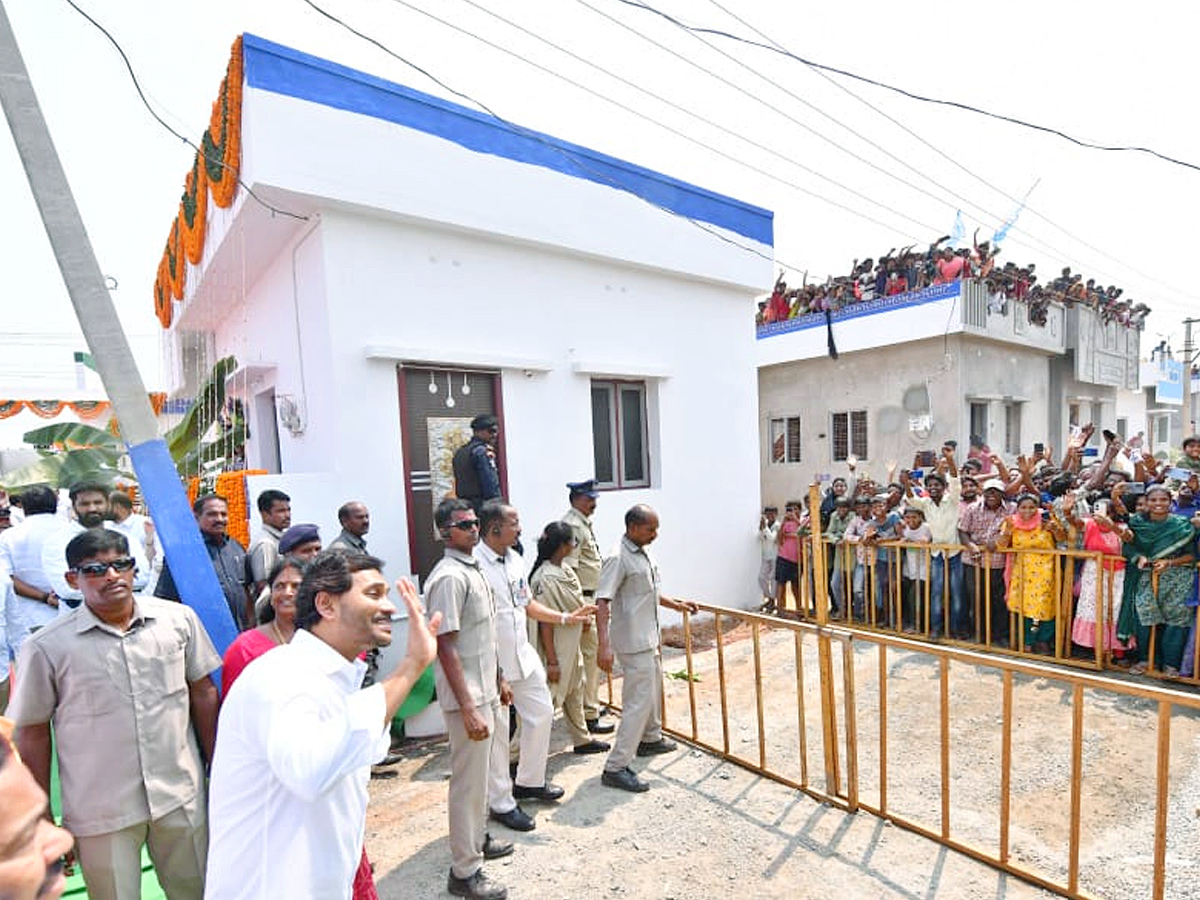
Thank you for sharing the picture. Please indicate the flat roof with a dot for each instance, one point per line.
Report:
(282, 70)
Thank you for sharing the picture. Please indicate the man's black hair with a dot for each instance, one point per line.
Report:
(40, 498)
(92, 542)
(87, 487)
(330, 572)
(269, 498)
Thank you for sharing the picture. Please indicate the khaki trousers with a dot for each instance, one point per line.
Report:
(589, 644)
(469, 787)
(567, 692)
(641, 706)
(178, 844)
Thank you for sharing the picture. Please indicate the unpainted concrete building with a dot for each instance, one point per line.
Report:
(928, 366)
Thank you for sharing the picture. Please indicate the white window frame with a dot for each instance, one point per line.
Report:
(616, 433)
(793, 450)
(849, 415)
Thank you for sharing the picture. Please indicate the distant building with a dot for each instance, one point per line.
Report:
(927, 366)
(449, 264)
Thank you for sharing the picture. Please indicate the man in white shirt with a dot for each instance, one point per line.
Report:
(297, 737)
(500, 529)
(133, 525)
(21, 548)
(89, 502)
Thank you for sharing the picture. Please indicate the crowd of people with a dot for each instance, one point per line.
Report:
(909, 269)
(1091, 556)
(231, 789)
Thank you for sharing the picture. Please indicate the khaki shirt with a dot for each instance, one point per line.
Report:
(121, 711)
(263, 553)
(630, 582)
(585, 559)
(557, 587)
(457, 589)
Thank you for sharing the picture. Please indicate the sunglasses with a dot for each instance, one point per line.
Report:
(97, 569)
(465, 524)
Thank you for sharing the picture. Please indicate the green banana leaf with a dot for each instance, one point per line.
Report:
(186, 440)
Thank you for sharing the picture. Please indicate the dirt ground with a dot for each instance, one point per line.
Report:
(709, 828)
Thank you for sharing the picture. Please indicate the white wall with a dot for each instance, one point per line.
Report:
(452, 296)
(375, 164)
(422, 250)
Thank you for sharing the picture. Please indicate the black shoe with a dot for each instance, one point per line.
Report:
(547, 793)
(653, 748)
(494, 849)
(624, 779)
(595, 726)
(477, 887)
(390, 760)
(516, 819)
(592, 747)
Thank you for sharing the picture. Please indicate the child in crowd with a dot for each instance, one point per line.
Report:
(915, 569)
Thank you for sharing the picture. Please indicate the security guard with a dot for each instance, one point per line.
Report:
(586, 560)
(628, 597)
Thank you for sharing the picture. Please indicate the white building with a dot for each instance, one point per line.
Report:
(451, 264)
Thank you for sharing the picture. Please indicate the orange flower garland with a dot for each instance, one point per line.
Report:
(231, 486)
(215, 171)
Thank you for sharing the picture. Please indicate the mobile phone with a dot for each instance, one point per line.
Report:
(1101, 508)
(1039, 447)
(916, 473)
(1091, 451)
(1134, 488)
(1179, 474)
(927, 458)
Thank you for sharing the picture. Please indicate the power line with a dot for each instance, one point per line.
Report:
(954, 162)
(159, 119)
(914, 96)
(734, 159)
(831, 118)
(1055, 254)
(533, 135)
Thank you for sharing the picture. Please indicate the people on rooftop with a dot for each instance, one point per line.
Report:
(909, 269)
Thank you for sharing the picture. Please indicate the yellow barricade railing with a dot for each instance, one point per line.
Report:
(802, 731)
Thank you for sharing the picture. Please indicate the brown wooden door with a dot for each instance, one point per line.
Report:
(436, 409)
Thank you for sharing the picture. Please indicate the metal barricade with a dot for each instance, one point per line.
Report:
(801, 727)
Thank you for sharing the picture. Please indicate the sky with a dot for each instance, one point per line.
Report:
(849, 169)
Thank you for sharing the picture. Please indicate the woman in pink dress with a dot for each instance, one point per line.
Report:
(1099, 582)
(278, 622)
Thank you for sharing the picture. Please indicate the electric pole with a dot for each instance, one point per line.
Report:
(157, 476)
(1187, 377)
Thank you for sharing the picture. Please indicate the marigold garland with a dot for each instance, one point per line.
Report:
(45, 409)
(214, 171)
(231, 486)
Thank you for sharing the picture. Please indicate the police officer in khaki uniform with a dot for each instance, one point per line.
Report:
(470, 689)
(586, 560)
(628, 596)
